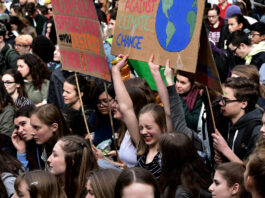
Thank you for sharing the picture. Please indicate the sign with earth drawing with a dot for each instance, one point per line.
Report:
(169, 29)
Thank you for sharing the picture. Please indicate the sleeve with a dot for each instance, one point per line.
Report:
(12, 59)
(9, 182)
(6, 121)
(178, 117)
(22, 157)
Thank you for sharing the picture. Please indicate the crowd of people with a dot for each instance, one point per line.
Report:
(71, 135)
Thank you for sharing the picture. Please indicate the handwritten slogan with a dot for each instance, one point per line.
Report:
(79, 37)
(169, 29)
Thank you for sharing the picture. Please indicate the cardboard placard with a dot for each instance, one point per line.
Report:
(79, 37)
(169, 29)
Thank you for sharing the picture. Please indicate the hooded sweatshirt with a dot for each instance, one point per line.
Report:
(257, 55)
(243, 135)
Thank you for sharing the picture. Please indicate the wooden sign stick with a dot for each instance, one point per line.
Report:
(82, 108)
(111, 123)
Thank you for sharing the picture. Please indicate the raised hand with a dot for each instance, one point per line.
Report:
(169, 74)
(153, 67)
(121, 63)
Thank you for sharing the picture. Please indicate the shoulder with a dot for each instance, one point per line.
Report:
(181, 193)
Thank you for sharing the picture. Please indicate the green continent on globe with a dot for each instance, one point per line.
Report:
(170, 29)
(191, 19)
(166, 5)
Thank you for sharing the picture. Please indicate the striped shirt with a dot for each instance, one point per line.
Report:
(22, 101)
(154, 167)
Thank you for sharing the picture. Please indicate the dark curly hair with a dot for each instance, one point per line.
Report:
(37, 68)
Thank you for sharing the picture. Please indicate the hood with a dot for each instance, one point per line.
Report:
(252, 116)
(257, 49)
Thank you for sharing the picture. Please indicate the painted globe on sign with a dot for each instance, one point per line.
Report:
(175, 23)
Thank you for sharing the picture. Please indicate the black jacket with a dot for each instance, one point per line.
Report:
(247, 131)
(258, 59)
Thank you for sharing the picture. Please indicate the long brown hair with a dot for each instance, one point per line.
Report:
(233, 173)
(37, 69)
(79, 160)
(256, 170)
(40, 184)
(18, 80)
(49, 114)
(181, 165)
(135, 175)
(141, 95)
(158, 114)
(103, 182)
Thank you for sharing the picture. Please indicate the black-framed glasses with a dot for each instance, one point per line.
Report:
(8, 82)
(234, 50)
(254, 34)
(225, 101)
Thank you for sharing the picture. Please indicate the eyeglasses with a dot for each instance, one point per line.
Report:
(8, 82)
(234, 50)
(104, 101)
(20, 46)
(254, 34)
(225, 101)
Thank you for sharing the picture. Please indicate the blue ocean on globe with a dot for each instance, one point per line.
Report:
(175, 23)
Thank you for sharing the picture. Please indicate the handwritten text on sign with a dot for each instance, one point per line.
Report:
(79, 37)
(132, 22)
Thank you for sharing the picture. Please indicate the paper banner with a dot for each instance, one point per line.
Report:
(169, 29)
(79, 37)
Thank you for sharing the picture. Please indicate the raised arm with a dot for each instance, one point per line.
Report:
(177, 113)
(124, 100)
(162, 90)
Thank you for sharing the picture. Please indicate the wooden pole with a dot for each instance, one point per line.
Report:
(211, 109)
(111, 123)
(82, 108)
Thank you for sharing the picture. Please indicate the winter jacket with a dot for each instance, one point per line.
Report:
(8, 58)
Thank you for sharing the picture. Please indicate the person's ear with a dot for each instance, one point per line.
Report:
(54, 127)
(241, 25)
(249, 183)
(244, 104)
(1, 38)
(262, 37)
(235, 188)
(17, 85)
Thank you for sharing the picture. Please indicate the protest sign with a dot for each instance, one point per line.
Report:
(169, 29)
(79, 37)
